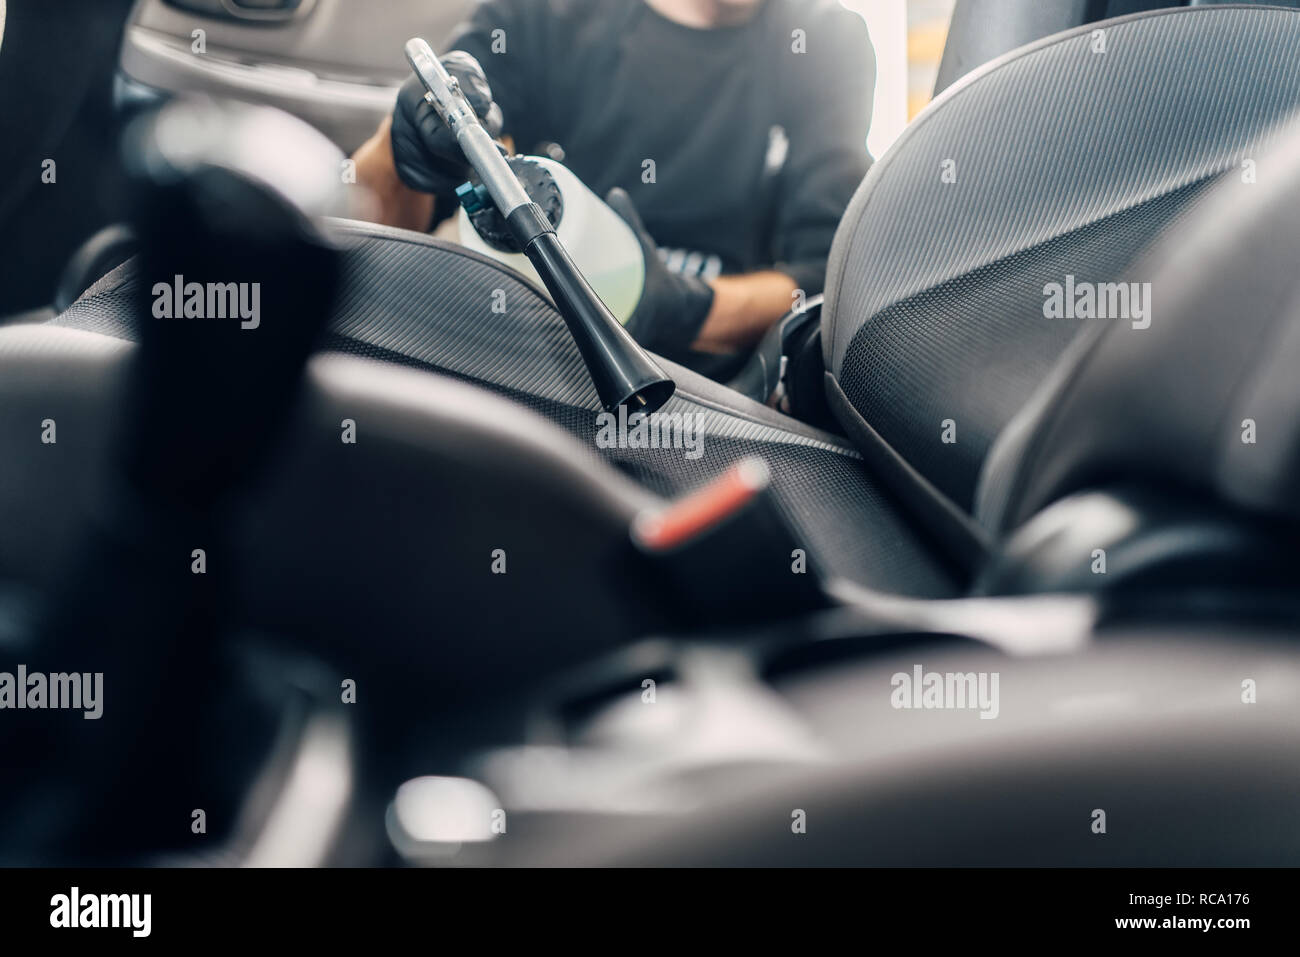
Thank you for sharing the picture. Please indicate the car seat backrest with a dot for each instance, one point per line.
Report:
(1206, 399)
(1056, 164)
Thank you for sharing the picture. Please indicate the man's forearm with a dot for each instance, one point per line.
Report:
(744, 308)
(395, 204)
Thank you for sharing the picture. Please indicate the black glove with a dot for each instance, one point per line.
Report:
(672, 308)
(427, 156)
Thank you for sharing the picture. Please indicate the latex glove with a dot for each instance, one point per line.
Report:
(673, 307)
(425, 152)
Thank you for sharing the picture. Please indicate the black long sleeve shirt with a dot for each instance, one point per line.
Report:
(740, 145)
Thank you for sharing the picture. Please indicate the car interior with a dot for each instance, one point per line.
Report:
(474, 613)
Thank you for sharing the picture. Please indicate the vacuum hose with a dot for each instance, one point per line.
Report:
(623, 373)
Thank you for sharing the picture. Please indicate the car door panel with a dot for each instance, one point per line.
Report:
(334, 63)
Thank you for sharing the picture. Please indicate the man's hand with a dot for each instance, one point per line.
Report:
(744, 308)
(426, 155)
(672, 307)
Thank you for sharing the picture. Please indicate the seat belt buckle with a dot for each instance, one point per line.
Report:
(729, 549)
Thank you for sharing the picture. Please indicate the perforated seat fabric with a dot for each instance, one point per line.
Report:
(1178, 399)
(421, 302)
(1067, 157)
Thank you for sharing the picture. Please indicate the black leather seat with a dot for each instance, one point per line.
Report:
(1067, 161)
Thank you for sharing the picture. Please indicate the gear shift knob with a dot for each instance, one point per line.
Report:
(235, 280)
(233, 284)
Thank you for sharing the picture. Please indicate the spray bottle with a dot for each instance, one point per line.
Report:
(600, 242)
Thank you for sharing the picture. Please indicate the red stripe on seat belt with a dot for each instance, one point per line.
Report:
(703, 508)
